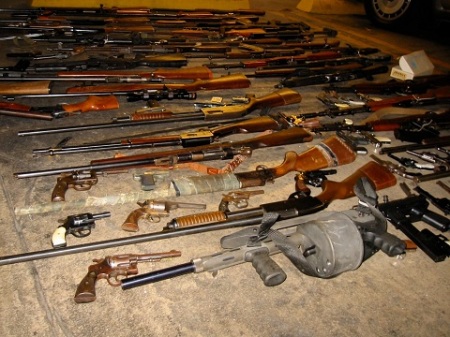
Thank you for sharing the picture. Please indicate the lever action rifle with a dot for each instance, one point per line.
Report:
(92, 103)
(278, 98)
(187, 139)
(376, 174)
(199, 153)
(234, 81)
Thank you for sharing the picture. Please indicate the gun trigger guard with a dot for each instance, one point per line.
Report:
(152, 217)
(114, 279)
(81, 233)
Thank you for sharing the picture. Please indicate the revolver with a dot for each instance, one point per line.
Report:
(153, 210)
(79, 181)
(79, 225)
(112, 268)
(237, 198)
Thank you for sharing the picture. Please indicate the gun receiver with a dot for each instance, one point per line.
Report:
(278, 98)
(79, 225)
(153, 210)
(235, 81)
(403, 213)
(112, 268)
(217, 151)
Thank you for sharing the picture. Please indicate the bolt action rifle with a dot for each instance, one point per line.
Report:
(278, 98)
(378, 176)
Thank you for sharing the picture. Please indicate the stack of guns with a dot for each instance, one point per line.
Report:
(102, 59)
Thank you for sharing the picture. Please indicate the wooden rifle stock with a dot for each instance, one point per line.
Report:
(93, 103)
(192, 73)
(234, 81)
(38, 87)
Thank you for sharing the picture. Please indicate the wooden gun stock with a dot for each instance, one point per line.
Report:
(234, 81)
(93, 103)
(20, 88)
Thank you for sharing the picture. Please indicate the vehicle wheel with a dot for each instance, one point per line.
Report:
(395, 13)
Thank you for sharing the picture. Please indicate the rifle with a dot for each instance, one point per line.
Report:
(278, 98)
(339, 76)
(35, 88)
(418, 85)
(115, 266)
(199, 153)
(187, 139)
(291, 208)
(92, 103)
(112, 76)
(234, 81)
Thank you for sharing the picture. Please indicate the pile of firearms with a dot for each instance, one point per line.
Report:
(104, 58)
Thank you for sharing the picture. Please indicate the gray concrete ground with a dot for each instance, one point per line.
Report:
(384, 297)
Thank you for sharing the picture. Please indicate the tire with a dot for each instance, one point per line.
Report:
(396, 13)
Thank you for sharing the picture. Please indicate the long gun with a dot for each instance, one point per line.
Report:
(199, 153)
(187, 139)
(112, 76)
(332, 77)
(234, 81)
(281, 97)
(92, 103)
(376, 174)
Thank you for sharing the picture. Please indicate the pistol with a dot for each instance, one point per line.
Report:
(112, 268)
(78, 180)
(79, 225)
(237, 198)
(153, 210)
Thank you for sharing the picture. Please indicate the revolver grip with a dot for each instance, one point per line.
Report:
(59, 237)
(61, 187)
(269, 271)
(86, 289)
(131, 222)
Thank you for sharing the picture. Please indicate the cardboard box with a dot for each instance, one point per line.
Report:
(413, 65)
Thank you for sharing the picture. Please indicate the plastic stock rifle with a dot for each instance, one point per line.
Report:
(376, 174)
(214, 151)
(281, 97)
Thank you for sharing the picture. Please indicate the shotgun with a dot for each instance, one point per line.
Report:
(292, 208)
(199, 153)
(280, 97)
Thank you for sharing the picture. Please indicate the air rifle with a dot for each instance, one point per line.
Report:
(378, 176)
(199, 153)
(278, 98)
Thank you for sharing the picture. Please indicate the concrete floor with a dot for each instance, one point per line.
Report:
(384, 297)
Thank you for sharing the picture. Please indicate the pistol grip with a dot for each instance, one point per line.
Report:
(86, 289)
(59, 237)
(60, 189)
(131, 222)
(269, 271)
